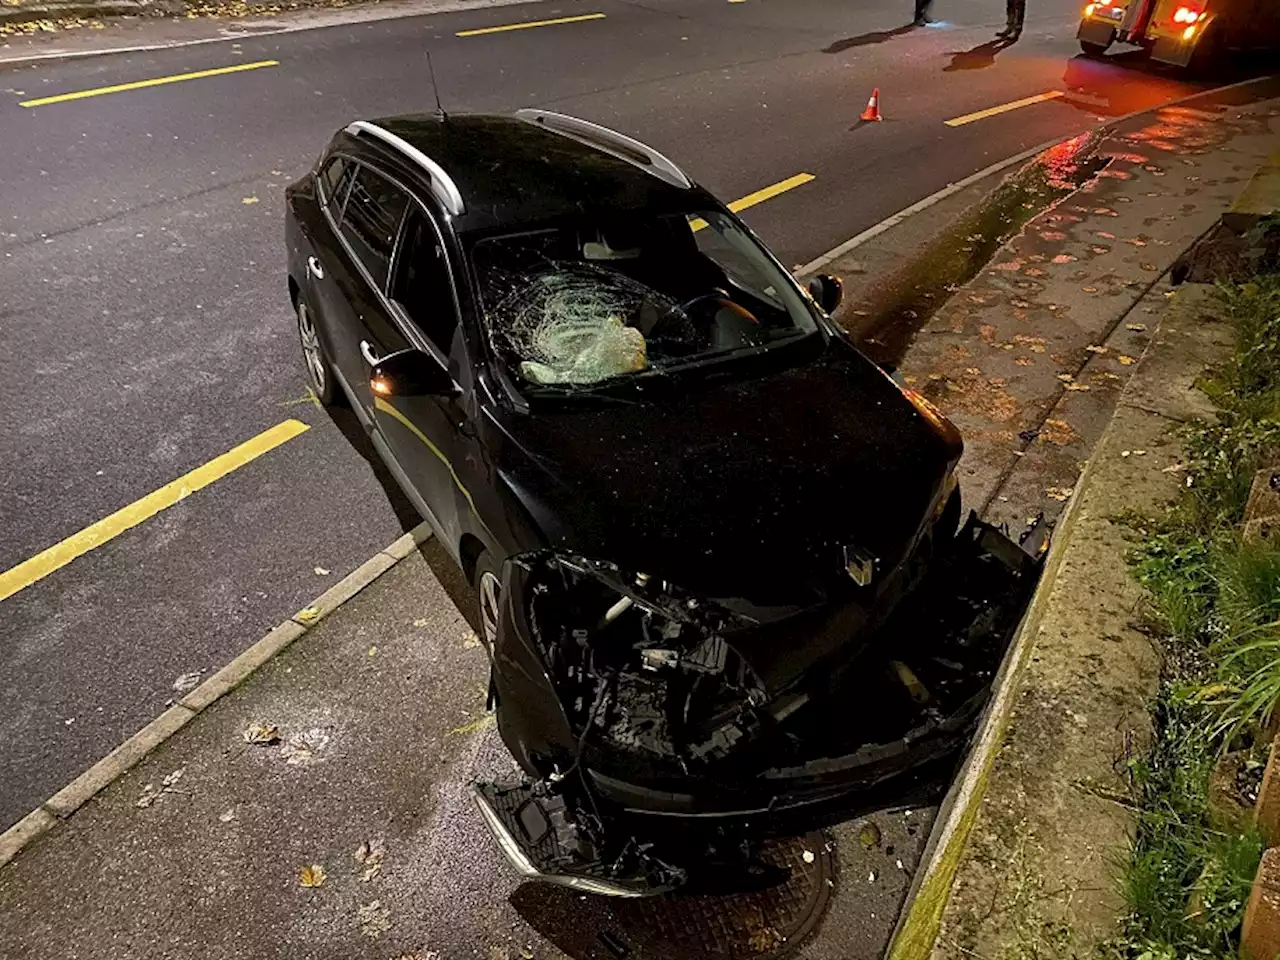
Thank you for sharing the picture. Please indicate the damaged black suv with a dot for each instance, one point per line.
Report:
(688, 505)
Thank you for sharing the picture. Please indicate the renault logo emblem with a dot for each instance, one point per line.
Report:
(860, 566)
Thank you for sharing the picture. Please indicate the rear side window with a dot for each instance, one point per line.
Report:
(333, 183)
(371, 219)
(422, 285)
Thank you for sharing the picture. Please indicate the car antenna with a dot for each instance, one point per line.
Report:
(435, 89)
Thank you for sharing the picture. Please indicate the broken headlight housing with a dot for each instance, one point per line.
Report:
(644, 671)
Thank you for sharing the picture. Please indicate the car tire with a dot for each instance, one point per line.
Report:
(487, 582)
(314, 356)
(1095, 50)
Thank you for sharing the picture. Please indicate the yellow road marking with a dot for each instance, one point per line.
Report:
(530, 24)
(154, 82)
(96, 534)
(1004, 108)
(760, 196)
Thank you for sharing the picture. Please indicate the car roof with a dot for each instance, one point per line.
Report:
(512, 172)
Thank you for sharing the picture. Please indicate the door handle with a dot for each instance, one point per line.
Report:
(366, 349)
(313, 265)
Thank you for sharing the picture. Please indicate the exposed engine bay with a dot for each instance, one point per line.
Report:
(678, 718)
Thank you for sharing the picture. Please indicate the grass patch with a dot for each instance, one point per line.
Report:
(1216, 601)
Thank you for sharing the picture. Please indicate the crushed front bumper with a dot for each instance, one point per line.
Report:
(882, 730)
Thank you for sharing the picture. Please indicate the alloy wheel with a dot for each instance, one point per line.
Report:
(311, 349)
(490, 598)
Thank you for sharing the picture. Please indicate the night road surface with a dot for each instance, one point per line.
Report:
(145, 327)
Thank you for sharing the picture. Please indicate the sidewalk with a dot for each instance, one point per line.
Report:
(379, 708)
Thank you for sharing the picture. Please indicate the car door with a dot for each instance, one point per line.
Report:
(429, 436)
(355, 304)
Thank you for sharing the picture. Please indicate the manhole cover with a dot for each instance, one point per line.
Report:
(761, 925)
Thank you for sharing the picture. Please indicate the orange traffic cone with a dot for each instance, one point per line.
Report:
(873, 107)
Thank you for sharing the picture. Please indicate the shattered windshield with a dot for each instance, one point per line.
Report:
(583, 304)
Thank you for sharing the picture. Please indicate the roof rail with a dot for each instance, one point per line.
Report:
(442, 185)
(610, 141)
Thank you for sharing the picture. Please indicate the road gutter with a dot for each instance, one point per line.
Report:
(131, 752)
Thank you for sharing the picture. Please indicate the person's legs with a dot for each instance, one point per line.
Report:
(922, 11)
(1016, 12)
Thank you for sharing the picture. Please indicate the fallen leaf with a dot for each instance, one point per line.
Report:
(302, 748)
(1024, 361)
(1174, 468)
(1125, 453)
(373, 651)
(227, 815)
(1106, 236)
(1137, 327)
(470, 641)
(249, 200)
(262, 733)
(307, 614)
(369, 855)
(374, 918)
(187, 681)
(808, 856)
(1065, 377)
(1037, 348)
(1126, 360)
(321, 572)
(1063, 258)
(174, 777)
(1094, 348)
(1078, 386)
(312, 876)
(1060, 493)
(869, 835)
(420, 622)
(1136, 242)
(1089, 289)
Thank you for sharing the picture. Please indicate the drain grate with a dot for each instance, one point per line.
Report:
(764, 924)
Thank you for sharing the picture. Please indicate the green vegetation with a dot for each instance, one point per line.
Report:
(1216, 606)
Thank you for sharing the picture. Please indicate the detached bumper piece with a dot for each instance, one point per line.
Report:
(546, 838)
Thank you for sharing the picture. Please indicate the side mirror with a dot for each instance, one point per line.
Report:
(411, 373)
(827, 292)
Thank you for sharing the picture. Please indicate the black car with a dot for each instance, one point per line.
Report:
(688, 505)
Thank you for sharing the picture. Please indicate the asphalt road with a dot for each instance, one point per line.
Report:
(145, 327)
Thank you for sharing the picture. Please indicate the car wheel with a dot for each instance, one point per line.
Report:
(1095, 50)
(488, 587)
(319, 370)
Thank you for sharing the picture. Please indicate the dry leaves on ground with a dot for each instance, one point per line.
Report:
(312, 876)
(262, 734)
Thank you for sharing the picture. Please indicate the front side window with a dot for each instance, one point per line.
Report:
(371, 220)
(422, 285)
(584, 303)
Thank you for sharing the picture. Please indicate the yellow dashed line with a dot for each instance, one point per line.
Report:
(154, 82)
(96, 534)
(530, 24)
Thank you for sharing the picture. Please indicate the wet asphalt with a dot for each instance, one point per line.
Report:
(145, 326)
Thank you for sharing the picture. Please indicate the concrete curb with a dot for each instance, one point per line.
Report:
(127, 755)
(921, 917)
(248, 28)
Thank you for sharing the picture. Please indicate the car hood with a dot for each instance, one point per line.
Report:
(743, 491)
